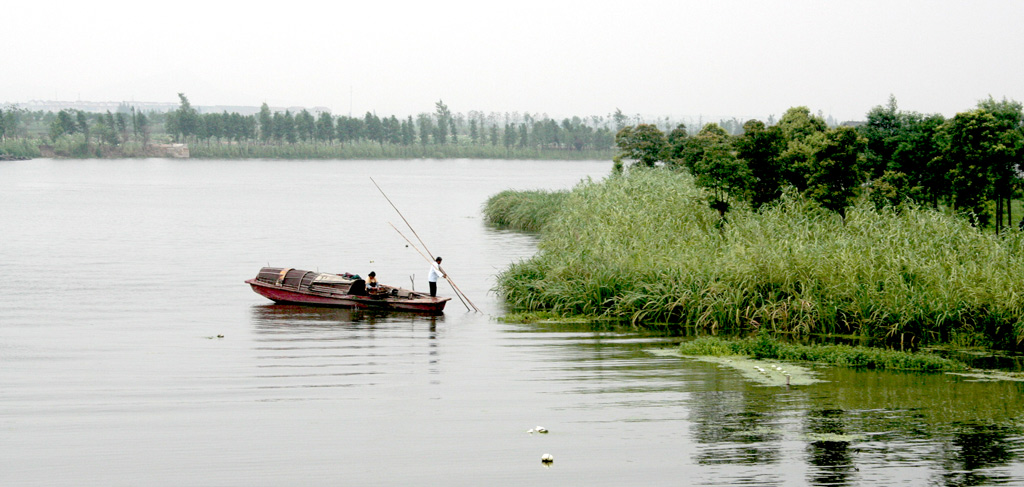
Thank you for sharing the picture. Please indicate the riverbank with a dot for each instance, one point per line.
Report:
(646, 248)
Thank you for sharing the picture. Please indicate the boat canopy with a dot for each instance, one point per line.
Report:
(309, 281)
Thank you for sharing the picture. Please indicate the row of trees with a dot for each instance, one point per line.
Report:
(971, 163)
(440, 127)
(112, 129)
(9, 121)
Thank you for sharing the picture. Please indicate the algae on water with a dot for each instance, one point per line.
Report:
(762, 372)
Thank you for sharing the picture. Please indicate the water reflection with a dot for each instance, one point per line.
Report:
(860, 427)
(976, 450)
(829, 449)
(304, 347)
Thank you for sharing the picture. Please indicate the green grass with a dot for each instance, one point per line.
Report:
(645, 247)
(763, 347)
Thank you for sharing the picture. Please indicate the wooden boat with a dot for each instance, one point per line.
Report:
(295, 286)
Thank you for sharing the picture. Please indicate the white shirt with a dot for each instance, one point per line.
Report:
(435, 272)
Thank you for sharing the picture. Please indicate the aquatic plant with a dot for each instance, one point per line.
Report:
(645, 247)
(765, 347)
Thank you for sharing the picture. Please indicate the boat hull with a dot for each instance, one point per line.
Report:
(418, 303)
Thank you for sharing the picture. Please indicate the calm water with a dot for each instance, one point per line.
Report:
(120, 275)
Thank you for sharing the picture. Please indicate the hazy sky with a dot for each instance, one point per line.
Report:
(656, 58)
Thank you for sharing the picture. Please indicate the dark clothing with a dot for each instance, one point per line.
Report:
(433, 288)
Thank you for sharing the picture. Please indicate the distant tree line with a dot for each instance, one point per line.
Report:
(971, 163)
(440, 127)
(75, 133)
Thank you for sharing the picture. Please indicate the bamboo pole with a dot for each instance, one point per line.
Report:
(413, 230)
(428, 260)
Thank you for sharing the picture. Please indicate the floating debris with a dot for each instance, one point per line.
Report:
(547, 458)
(539, 429)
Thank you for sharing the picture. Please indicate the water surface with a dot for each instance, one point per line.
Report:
(119, 276)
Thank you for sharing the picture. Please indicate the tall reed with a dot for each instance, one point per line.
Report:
(526, 211)
(646, 247)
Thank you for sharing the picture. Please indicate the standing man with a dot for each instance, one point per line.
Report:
(435, 272)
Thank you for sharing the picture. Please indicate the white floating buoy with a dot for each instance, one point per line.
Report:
(547, 458)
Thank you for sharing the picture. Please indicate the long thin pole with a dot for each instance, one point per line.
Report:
(413, 230)
(428, 260)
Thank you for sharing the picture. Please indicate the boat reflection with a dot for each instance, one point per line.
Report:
(306, 352)
(272, 317)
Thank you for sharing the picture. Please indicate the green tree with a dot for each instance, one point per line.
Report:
(643, 144)
(761, 147)
(804, 136)
(426, 126)
(443, 122)
(186, 119)
(835, 177)
(325, 127)
(392, 130)
(408, 131)
(266, 123)
(63, 124)
(975, 150)
(83, 126)
(882, 135)
(142, 127)
(305, 125)
(919, 156)
(724, 175)
(1009, 156)
(892, 189)
(620, 120)
(509, 136)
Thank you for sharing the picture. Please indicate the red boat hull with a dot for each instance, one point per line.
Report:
(415, 302)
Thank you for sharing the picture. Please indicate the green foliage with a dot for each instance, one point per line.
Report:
(834, 179)
(891, 190)
(19, 148)
(645, 247)
(761, 147)
(974, 149)
(644, 144)
(726, 177)
(764, 347)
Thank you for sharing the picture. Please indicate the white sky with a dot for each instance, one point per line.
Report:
(657, 58)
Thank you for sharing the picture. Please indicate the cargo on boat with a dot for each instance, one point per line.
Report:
(296, 286)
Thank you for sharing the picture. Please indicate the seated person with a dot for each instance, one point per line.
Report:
(371, 280)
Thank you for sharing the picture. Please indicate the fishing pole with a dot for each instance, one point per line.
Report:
(449, 279)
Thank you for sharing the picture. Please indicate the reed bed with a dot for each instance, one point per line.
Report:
(373, 150)
(525, 211)
(647, 248)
